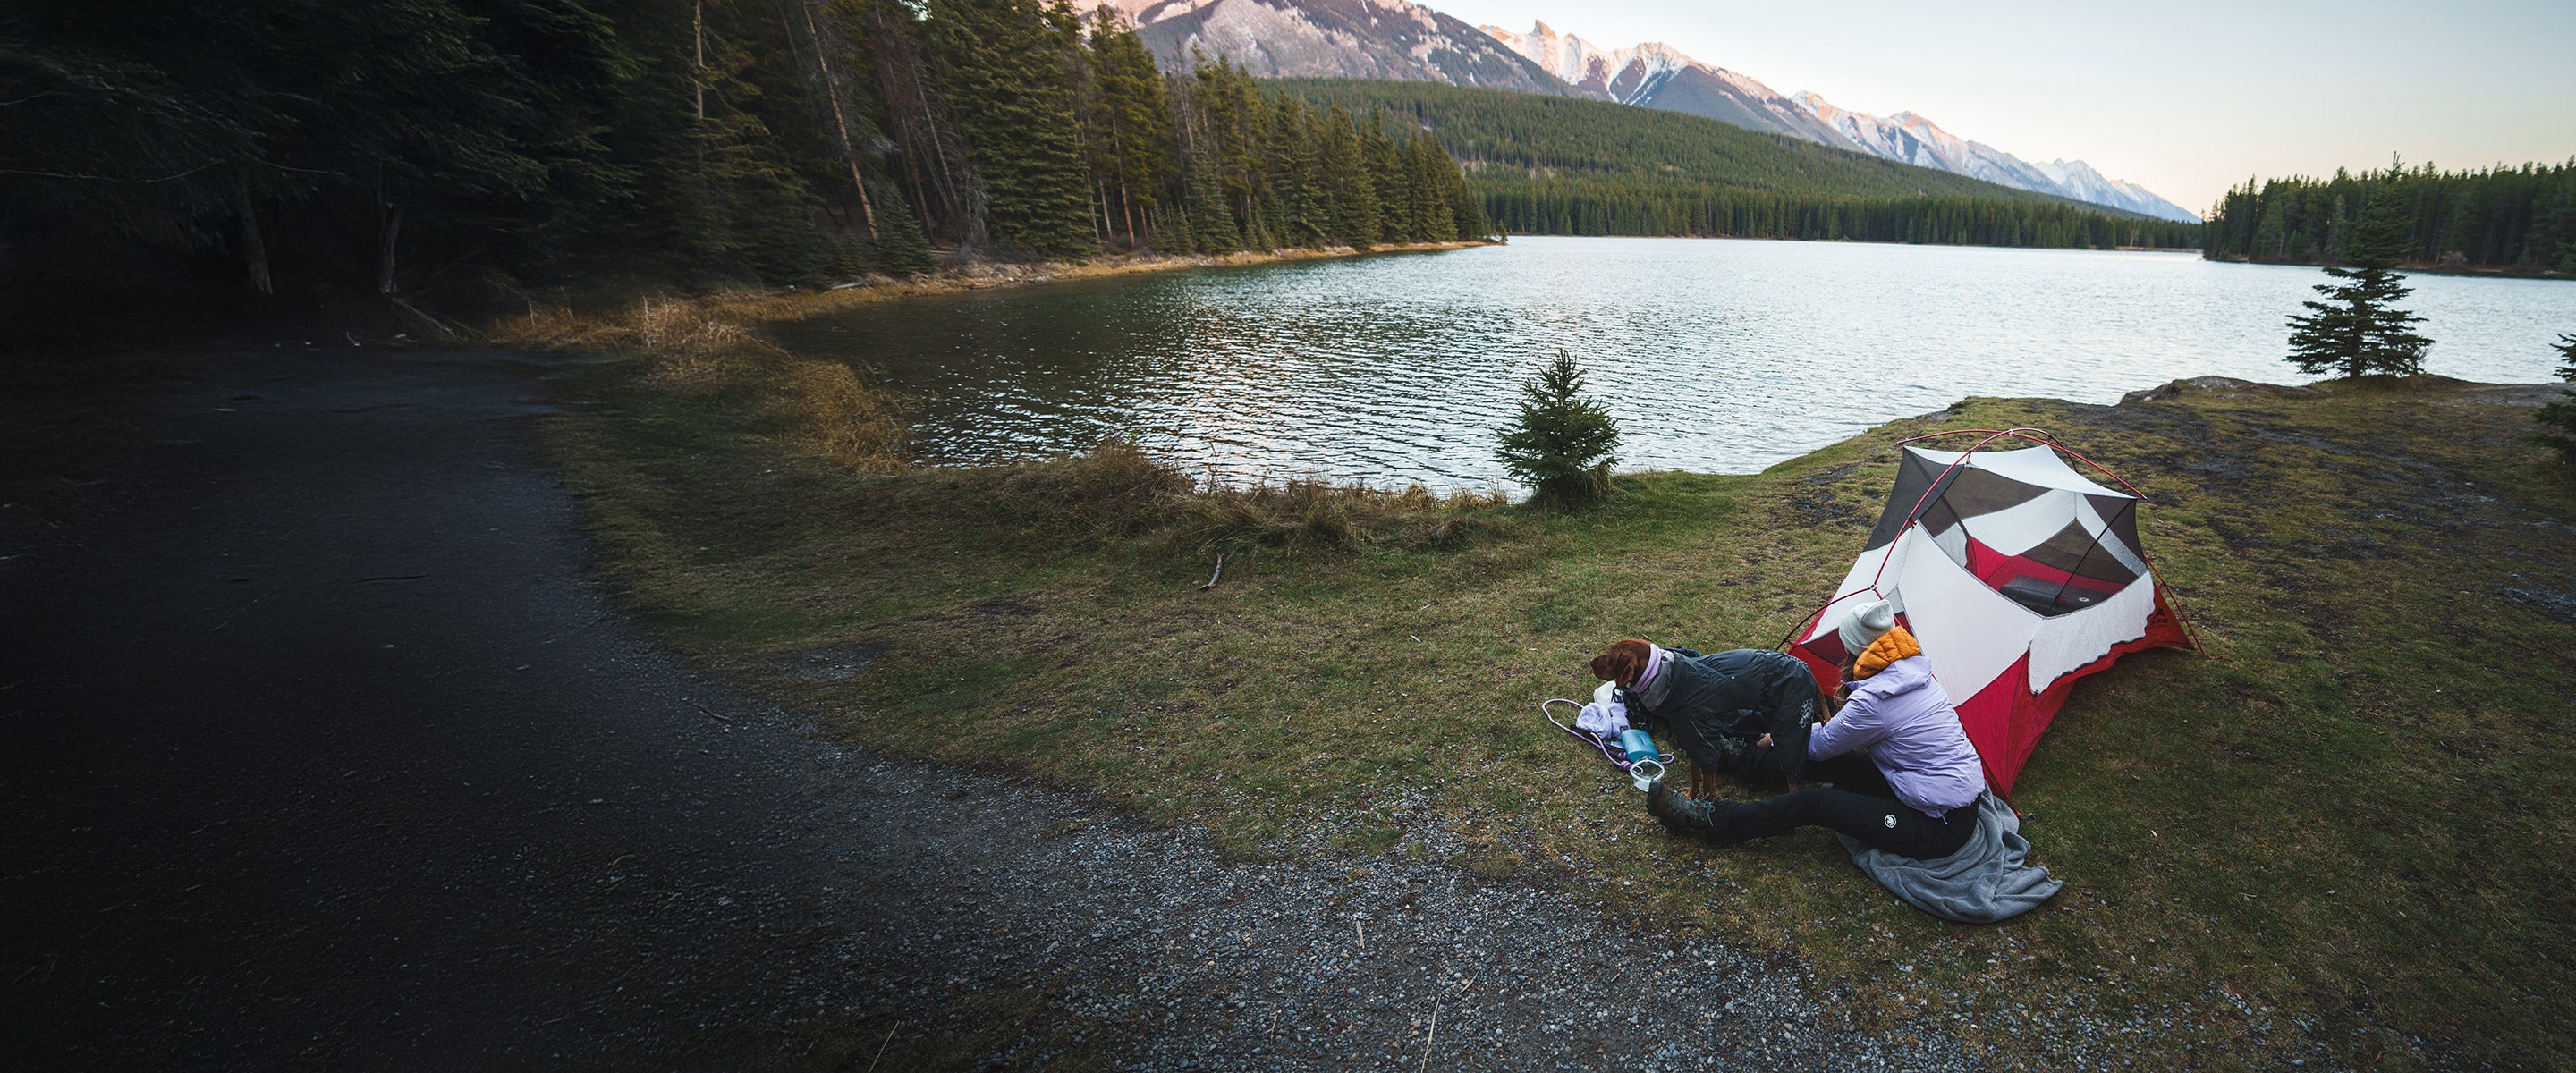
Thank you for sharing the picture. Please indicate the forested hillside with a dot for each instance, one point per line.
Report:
(453, 153)
(2521, 219)
(1563, 166)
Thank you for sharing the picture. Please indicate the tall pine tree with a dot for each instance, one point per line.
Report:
(1128, 125)
(1352, 194)
(2558, 419)
(2360, 331)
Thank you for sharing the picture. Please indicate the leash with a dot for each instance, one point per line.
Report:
(1616, 758)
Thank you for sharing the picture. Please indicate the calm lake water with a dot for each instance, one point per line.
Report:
(1716, 355)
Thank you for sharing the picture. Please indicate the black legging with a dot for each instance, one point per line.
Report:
(1859, 804)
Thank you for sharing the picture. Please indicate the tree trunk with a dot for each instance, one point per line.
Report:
(840, 123)
(254, 249)
(385, 253)
(1127, 210)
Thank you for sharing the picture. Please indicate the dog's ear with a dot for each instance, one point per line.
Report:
(1613, 666)
(1623, 663)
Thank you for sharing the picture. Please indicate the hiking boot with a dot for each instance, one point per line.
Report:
(1680, 815)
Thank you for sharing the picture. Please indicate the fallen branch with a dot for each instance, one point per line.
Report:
(872, 1062)
(710, 712)
(1427, 1037)
(446, 330)
(1220, 572)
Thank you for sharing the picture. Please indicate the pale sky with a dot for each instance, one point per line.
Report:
(2184, 98)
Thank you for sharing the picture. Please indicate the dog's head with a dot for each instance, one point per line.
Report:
(1623, 663)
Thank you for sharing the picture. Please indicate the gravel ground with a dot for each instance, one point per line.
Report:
(1185, 960)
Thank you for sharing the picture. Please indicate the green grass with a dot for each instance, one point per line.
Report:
(2351, 820)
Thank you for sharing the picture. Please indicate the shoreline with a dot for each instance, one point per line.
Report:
(798, 304)
(2412, 269)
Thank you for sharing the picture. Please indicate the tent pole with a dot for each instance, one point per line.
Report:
(2024, 433)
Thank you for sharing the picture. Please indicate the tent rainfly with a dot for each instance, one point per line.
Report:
(2016, 573)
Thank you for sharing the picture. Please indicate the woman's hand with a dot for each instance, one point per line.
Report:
(1763, 742)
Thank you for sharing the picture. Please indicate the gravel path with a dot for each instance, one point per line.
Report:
(323, 751)
(1190, 961)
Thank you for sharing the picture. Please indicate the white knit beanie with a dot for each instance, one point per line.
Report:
(1865, 624)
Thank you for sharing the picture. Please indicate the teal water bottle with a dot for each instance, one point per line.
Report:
(1645, 765)
(1638, 744)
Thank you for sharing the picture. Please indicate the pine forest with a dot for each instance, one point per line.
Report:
(1570, 166)
(2520, 219)
(469, 149)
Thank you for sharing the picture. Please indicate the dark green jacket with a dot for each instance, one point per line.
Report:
(1716, 706)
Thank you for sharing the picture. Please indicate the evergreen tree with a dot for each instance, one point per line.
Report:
(901, 247)
(1301, 198)
(1467, 211)
(1560, 442)
(1349, 190)
(1427, 174)
(2361, 332)
(1390, 180)
(1211, 225)
(2558, 419)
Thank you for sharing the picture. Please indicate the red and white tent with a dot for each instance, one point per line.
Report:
(2017, 574)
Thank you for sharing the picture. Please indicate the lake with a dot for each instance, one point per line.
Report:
(1716, 355)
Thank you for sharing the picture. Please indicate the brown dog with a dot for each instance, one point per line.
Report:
(1622, 664)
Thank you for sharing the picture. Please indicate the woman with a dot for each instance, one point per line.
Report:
(1913, 791)
(1744, 712)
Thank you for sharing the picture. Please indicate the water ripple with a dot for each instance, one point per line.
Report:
(1718, 356)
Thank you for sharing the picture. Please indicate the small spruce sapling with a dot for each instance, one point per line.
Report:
(2558, 419)
(2360, 331)
(1560, 443)
(901, 248)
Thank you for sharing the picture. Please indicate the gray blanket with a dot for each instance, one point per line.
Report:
(1989, 879)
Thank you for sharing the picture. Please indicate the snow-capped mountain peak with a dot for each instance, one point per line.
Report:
(1387, 39)
(1656, 75)
(1913, 139)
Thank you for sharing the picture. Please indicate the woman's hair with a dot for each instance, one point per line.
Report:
(1624, 662)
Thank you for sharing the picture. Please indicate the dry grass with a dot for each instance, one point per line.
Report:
(694, 348)
(1316, 514)
(1117, 492)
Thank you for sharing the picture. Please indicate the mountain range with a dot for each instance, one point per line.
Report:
(1656, 75)
(1400, 41)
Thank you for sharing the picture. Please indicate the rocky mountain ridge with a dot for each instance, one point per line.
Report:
(1381, 39)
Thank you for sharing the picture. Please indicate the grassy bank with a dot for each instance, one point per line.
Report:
(2340, 839)
(613, 326)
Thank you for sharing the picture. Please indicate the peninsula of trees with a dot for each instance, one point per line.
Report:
(463, 150)
(2519, 219)
(1569, 166)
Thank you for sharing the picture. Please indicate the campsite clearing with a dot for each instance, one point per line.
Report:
(2336, 837)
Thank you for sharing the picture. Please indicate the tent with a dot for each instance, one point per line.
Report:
(2018, 574)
